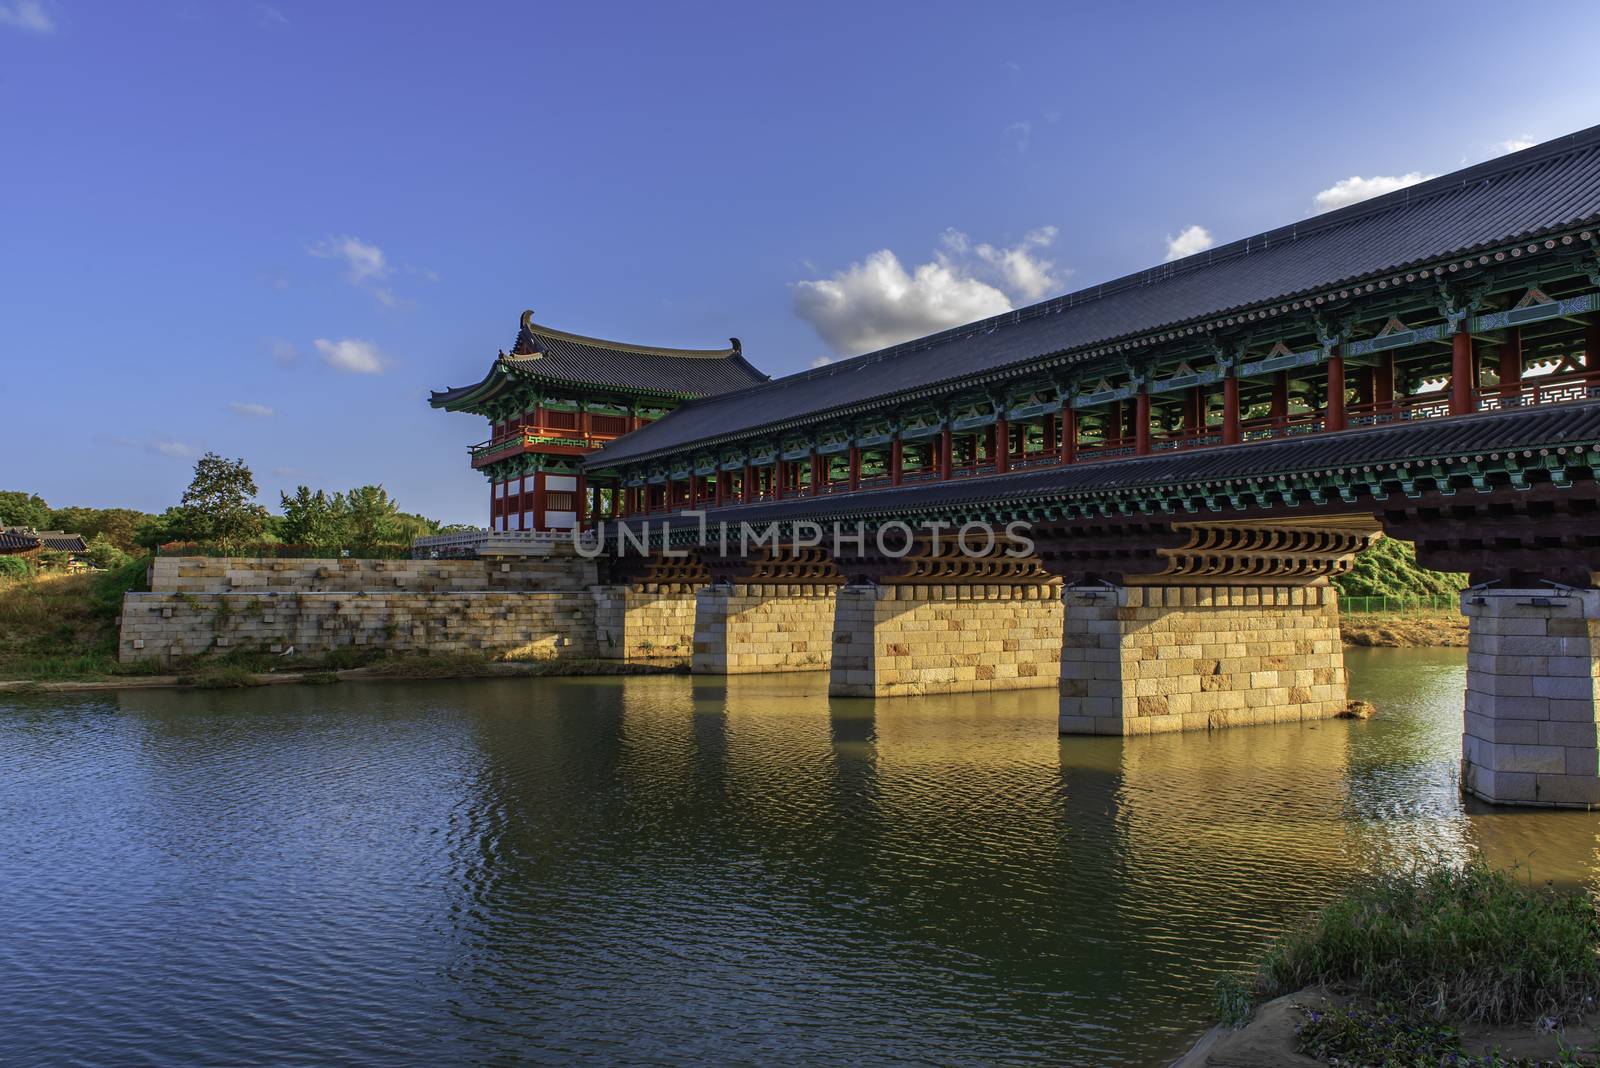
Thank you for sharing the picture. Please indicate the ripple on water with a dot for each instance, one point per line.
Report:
(674, 871)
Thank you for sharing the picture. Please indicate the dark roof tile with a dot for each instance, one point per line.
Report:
(1545, 188)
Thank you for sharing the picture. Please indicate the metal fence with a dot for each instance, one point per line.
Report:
(1400, 604)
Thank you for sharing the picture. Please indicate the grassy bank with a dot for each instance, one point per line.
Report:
(1422, 955)
(58, 627)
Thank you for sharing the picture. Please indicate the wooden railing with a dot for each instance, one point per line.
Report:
(1542, 389)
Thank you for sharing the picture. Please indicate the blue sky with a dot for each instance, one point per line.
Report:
(268, 229)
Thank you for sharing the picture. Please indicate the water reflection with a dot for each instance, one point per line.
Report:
(665, 870)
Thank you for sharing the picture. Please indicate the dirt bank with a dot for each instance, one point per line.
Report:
(1416, 630)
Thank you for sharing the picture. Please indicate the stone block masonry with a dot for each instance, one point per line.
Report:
(746, 629)
(201, 574)
(894, 641)
(1531, 699)
(170, 626)
(644, 623)
(1151, 659)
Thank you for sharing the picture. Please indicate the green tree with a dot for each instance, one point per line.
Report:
(374, 518)
(120, 525)
(104, 554)
(410, 526)
(19, 509)
(315, 519)
(171, 525)
(220, 503)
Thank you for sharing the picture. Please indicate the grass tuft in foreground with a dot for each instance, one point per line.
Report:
(1467, 944)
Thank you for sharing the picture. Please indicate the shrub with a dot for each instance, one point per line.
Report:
(15, 567)
(1466, 944)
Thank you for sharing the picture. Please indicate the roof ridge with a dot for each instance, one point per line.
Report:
(536, 330)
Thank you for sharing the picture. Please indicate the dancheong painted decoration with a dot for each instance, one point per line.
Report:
(1473, 294)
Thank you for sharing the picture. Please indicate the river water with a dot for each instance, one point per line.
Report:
(659, 870)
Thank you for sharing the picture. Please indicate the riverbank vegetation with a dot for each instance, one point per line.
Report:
(1418, 958)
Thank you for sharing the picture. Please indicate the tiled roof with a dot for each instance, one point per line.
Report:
(22, 539)
(561, 358)
(1546, 188)
(1533, 428)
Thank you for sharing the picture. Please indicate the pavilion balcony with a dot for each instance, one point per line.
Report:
(577, 432)
(1541, 389)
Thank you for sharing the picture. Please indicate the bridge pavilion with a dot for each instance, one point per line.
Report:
(1195, 450)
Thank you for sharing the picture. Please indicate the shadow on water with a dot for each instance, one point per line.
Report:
(664, 870)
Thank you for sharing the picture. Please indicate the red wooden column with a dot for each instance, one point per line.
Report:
(720, 490)
(522, 500)
(583, 502)
(855, 468)
(1141, 422)
(1193, 410)
(816, 474)
(538, 500)
(1333, 419)
(1230, 408)
(1002, 444)
(491, 504)
(944, 454)
(894, 460)
(749, 486)
(1383, 382)
(1591, 349)
(777, 478)
(1462, 386)
(1280, 400)
(1069, 435)
(1117, 420)
(1511, 365)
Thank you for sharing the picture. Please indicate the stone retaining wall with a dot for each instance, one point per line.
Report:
(1531, 700)
(745, 629)
(200, 574)
(168, 626)
(1150, 659)
(644, 624)
(902, 640)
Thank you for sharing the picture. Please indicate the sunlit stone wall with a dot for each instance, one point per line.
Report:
(744, 629)
(1530, 735)
(904, 640)
(644, 623)
(1150, 659)
(200, 574)
(170, 626)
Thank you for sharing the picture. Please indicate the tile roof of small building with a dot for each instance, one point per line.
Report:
(560, 358)
(1544, 189)
(22, 539)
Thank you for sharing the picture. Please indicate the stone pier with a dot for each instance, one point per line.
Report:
(748, 628)
(901, 640)
(644, 622)
(1151, 659)
(1530, 736)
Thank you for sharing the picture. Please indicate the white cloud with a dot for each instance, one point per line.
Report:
(1022, 133)
(366, 267)
(822, 361)
(1354, 189)
(176, 449)
(1517, 144)
(269, 17)
(255, 411)
(351, 355)
(878, 302)
(1191, 240)
(27, 15)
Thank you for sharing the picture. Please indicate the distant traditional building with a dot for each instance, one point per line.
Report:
(557, 397)
(25, 541)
